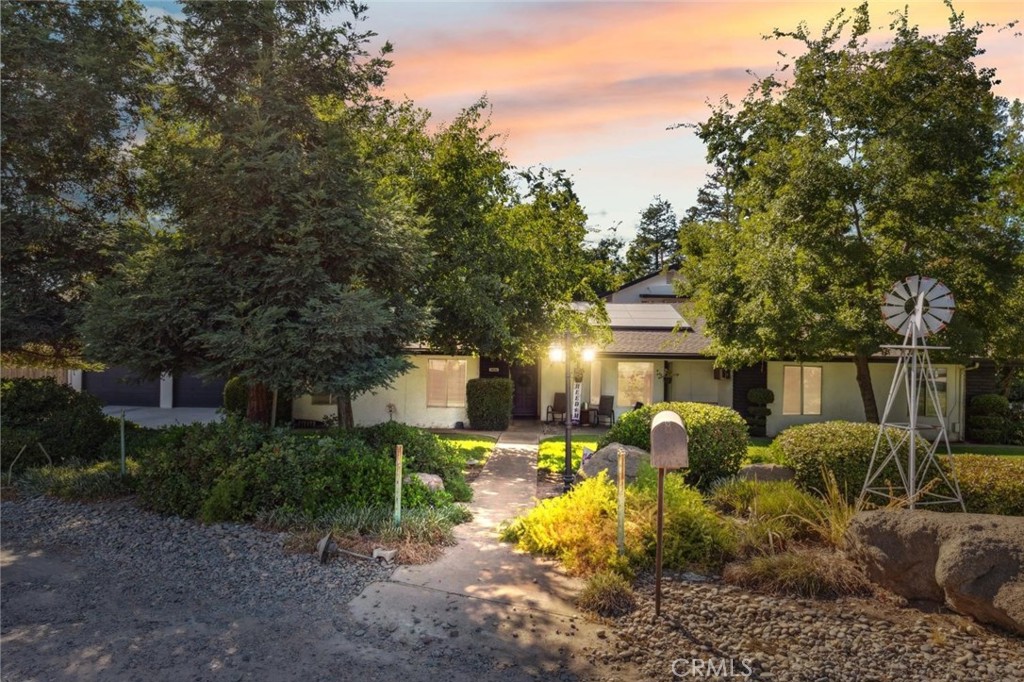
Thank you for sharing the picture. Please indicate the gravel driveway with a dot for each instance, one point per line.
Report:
(109, 592)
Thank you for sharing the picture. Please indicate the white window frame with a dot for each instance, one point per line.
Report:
(647, 399)
(454, 391)
(925, 406)
(804, 404)
(323, 399)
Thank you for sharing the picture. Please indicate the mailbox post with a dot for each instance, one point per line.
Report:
(670, 449)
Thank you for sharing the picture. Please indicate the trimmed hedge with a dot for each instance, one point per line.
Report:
(844, 448)
(489, 403)
(718, 437)
(989, 419)
(991, 485)
(69, 424)
(423, 452)
(236, 396)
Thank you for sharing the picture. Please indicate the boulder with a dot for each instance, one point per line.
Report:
(973, 563)
(432, 481)
(766, 472)
(607, 459)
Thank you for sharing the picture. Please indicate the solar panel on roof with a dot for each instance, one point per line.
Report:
(645, 315)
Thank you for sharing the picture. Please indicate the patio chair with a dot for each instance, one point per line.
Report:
(558, 410)
(606, 409)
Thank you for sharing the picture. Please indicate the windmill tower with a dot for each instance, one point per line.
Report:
(917, 307)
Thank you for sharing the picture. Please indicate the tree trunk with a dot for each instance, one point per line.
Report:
(258, 409)
(345, 418)
(867, 391)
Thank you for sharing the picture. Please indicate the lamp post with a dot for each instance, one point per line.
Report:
(565, 353)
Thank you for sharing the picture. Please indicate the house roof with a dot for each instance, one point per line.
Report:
(644, 316)
(657, 343)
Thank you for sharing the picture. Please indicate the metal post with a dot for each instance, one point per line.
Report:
(123, 466)
(398, 484)
(658, 556)
(622, 501)
(567, 476)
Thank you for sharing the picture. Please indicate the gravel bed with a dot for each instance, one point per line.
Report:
(712, 630)
(107, 591)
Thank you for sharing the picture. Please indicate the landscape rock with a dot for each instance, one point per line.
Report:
(974, 563)
(766, 472)
(432, 481)
(607, 459)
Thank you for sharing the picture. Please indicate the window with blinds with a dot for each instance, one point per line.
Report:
(801, 390)
(446, 382)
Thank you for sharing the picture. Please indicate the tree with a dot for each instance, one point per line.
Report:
(656, 244)
(73, 80)
(605, 257)
(869, 165)
(284, 263)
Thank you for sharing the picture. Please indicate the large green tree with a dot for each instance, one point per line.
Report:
(873, 161)
(74, 78)
(284, 261)
(656, 244)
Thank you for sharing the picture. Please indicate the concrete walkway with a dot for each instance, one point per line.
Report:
(485, 599)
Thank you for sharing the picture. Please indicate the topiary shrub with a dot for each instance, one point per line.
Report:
(844, 448)
(991, 485)
(989, 419)
(236, 396)
(718, 437)
(759, 399)
(422, 452)
(489, 403)
(69, 424)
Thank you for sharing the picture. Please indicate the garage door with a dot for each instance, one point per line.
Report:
(191, 391)
(111, 387)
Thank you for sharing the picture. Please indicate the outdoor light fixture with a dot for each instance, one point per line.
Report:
(563, 353)
(588, 354)
(556, 353)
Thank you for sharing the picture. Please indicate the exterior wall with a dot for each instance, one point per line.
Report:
(656, 285)
(408, 394)
(602, 372)
(693, 381)
(840, 396)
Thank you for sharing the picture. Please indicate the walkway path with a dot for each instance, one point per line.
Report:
(484, 598)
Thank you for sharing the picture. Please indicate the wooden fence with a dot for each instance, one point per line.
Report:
(60, 375)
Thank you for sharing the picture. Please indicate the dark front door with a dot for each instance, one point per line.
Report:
(524, 398)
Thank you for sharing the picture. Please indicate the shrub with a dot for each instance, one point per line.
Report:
(489, 403)
(758, 412)
(772, 513)
(177, 476)
(100, 481)
(69, 424)
(422, 452)
(844, 448)
(607, 594)
(991, 485)
(989, 419)
(812, 573)
(717, 435)
(236, 397)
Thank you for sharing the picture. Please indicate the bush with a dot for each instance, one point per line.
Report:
(489, 403)
(177, 476)
(607, 594)
(989, 419)
(991, 485)
(758, 412)
(844, 448)
(86, 483)
(771, 513)
(236, 397)
(69, 424)
(718, 437)
(812, 573)
(423, 452)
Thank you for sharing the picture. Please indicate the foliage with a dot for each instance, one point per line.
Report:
(873, 160)
(991, 485)
(989, 419)
(284, 263)
(842, 448)
(717, 437)
(489, 403)
(772, 514)
(176, 477)
(607, 594)
(73, 81)
(551, 452)
(810, 573)
(470, 446)
(423, 452)
(236, 396)
(656, 244)
(69, 424)
(758, 412)
(80, 482)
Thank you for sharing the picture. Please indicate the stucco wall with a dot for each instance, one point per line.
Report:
(408, 394)
(840, 396)
(552, 380)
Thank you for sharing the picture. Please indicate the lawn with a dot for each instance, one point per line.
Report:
(470, 446)
(551, 455)
(758, 450)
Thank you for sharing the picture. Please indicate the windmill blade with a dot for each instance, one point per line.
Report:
(928, 284)
(893, 310)
(894, 298)
(943, 314)
(943, 301)
(932, 323)
(912, 285)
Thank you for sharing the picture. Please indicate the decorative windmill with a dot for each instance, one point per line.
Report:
(917, 307)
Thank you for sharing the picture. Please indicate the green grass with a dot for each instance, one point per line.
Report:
(758, 451)
(551, 455)
(471, 446)
(975, 449)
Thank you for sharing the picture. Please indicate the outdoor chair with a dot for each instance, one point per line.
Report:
(606, 409)
(558, 410)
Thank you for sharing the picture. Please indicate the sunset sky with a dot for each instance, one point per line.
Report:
(592, 87)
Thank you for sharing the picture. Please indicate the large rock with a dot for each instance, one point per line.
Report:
(974, 563)
(432, 481)
(766, 472)
(607, 459)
